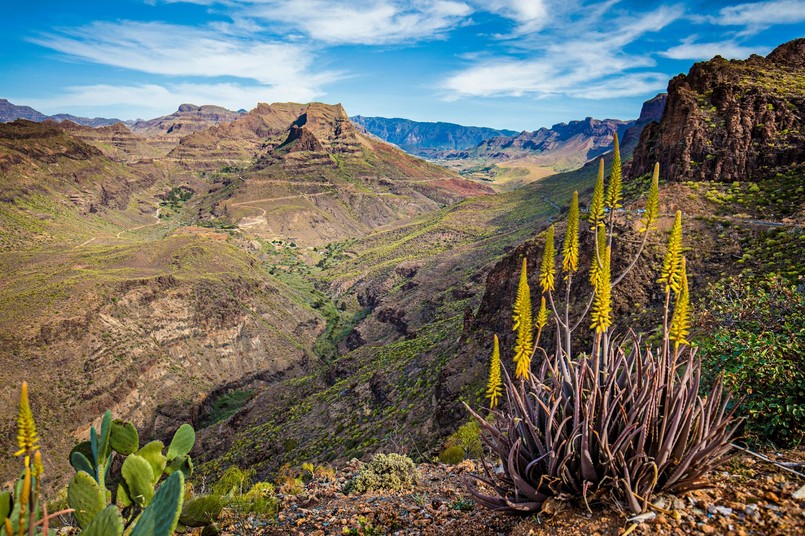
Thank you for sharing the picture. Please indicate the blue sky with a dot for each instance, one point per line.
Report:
(518, 64)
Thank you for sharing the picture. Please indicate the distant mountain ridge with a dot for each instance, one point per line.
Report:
(564, 145)
(424, 138)
(11, 112)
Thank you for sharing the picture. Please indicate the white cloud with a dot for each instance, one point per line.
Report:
(762, 14)
(690, 50)
(595, 66)
(372, 22)
(175, 50)
(530, 15)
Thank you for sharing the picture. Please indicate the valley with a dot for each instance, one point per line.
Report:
(336, 295)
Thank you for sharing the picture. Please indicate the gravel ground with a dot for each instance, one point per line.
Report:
(747, 497)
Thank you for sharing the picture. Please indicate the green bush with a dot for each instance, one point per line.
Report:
(384, 472)
(259, 500)
(468, 437)
(452, 455)
(754, 333)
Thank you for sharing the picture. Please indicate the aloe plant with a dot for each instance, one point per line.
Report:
(626, 417)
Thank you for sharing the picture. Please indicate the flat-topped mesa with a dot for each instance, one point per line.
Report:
(730, 120)
(272, 133)
(188, 118)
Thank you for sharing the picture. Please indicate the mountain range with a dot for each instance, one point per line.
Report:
(343, 290)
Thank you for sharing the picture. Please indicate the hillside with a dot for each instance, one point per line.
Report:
(150, 281)
(725, 121)
(424, 138)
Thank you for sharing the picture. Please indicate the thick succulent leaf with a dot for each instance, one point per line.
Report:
(161, 516)
(81, 463)
(153, 453)
(85, 497)
(139, 477)
(182, 442)
(107, 523)
(124, 438)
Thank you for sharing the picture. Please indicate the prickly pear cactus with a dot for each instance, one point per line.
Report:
(85, 496)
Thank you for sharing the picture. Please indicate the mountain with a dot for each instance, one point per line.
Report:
(305, 171)
(734, 120)
(424, 138)
(10, 112)
(187, 119)
(563, 146)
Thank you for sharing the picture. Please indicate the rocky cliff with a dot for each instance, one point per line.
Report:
(730, 121)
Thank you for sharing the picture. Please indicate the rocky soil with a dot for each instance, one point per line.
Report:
(747, 497)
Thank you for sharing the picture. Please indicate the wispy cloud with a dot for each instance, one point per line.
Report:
(168, 49)
(530, 15)
(761, 14)
(593, 67)
(691, 50)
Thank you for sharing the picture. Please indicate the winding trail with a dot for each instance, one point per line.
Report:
(156, 215)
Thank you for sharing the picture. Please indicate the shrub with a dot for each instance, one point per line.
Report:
(234, 480)
(623, 419)
(463, 443)
(452, 455)
(259, 500)
(384, 472)
(754, 334)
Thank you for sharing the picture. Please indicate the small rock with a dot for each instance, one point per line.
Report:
(707, 529)
(751, 509)
(799, 495)
(771, 496)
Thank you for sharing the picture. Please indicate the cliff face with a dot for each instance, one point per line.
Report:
(730, 120)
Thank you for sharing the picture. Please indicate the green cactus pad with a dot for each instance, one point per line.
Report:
(182, 442)
(162, 515)
(103, 440)
(122, 497)
(182, 463)
(124, 438)
(86, 449)
(139, 476)
(85, 496)
(153, 453)
(81, 463)
(107, 523)
(202, 511)
(5, 505)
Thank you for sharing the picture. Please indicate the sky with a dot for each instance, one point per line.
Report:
(516, 64)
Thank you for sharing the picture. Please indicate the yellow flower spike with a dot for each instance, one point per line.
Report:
(495, 387)
(523, 326)
(602, 300)
(615, 188)
(38, 467)
(542, 315)
(680, 322)
(570, 247)
(596, 216)
(27, 440)
(547, 270)
(671, 273)
(653, 200)
(595, 265)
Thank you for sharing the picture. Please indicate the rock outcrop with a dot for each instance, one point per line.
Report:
(730, 120)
